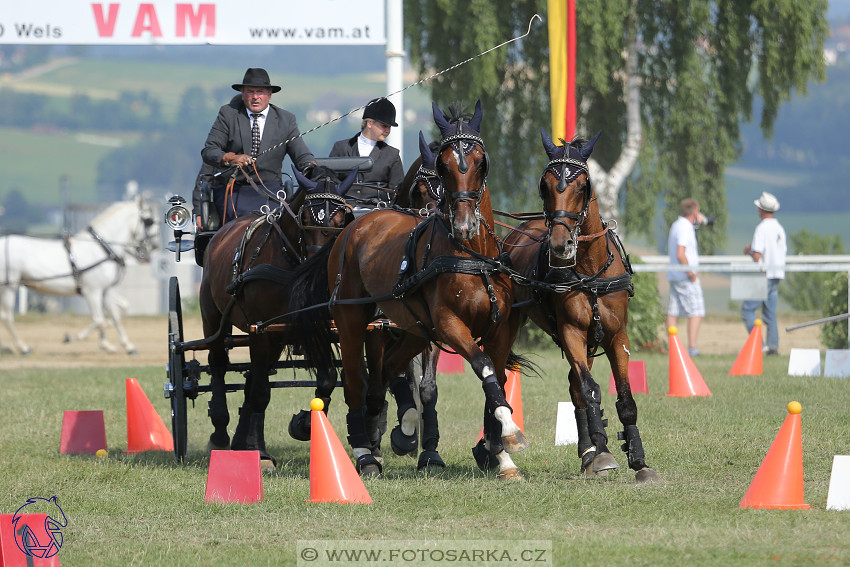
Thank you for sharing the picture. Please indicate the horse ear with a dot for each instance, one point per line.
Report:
(347, 183)
(587, 149)
(475, 121)
(303, 181)
(440, 119)
(551, 149)
(428, 157)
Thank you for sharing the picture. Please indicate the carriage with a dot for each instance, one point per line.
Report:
(459, 286)
(185, 378)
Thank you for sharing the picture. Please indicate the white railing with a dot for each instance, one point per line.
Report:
(742, 264)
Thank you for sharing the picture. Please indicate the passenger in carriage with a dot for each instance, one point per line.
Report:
(243, 134)
(387, 170)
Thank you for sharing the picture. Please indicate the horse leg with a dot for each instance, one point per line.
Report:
(501, 435)
(429, 458)
(376, 390)
(397, 367)
(586, 395)
(218, 412)
(95, 300)
(351, 325)
(250, 431)
(618, 355)
(7, 315)
(116, 306)
(299, 424)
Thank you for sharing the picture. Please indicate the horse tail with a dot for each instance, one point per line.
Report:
(522, 364)
(309, 300)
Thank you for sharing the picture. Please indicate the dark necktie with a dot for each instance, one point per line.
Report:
(255, 135)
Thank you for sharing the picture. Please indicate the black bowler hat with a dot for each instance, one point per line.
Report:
(382, 110)
(256, 77)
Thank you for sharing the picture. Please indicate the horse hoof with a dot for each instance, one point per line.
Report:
(403, 444)
(267, 464)
(647, 476)
(485, 461)
(515, 442)
(604, 462)
(67, 338)
(430, 461)
(299, 426)
(368, 467)
(587, 472)
(133, 352)
(510, 474)
(211, 446)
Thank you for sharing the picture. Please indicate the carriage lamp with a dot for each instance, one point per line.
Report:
(177, 217)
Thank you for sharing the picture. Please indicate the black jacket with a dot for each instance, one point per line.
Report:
(231, 132)
(386, 166)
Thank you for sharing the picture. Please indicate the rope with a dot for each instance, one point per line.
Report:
(419, 82)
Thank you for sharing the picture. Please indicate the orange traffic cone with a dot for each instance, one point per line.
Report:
(749, 361)
(685, 379)
(513, 394)
(779, 481)
(333, 477)
(145, 429)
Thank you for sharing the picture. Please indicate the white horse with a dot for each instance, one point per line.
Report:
(89, 263)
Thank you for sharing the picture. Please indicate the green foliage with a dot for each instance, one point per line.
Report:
(701, 64)
(834, 335)
(810, 291)
(645, 313)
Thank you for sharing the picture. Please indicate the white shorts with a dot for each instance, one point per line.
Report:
(686, 299)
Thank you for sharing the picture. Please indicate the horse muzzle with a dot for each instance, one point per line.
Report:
(563, 251)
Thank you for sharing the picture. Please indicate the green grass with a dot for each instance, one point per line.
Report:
(145, 510)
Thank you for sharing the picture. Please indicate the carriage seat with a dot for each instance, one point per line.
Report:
(344, 164)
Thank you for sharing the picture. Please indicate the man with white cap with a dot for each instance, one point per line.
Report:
(768, 247)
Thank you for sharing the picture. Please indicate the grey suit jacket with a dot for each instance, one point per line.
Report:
(386, 165)
(231, 132)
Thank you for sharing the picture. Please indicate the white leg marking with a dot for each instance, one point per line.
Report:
(409, 421)
(503, 414)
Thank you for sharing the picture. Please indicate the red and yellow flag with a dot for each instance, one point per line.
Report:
(562, 67)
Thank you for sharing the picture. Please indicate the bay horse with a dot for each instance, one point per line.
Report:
(244, 282)
(89, 263)
(418, 193)
(583, 300)
(439, 280)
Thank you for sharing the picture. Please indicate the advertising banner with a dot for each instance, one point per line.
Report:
(222, 22)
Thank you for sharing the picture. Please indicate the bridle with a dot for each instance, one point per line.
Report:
(433, 184)
(142, 246)
(320, 208)
(462, 144)
(566, 170)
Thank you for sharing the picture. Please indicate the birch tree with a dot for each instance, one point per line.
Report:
(668, 82)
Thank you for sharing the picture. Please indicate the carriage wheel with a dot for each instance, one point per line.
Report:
(176, 371)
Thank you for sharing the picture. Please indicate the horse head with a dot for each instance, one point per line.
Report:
(325, 211)
(426, 190)
(567, 193)
(461, 164)
(145, 231)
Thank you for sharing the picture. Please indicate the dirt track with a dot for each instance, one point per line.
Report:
(45, 334)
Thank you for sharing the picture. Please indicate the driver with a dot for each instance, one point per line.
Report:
(244, 133)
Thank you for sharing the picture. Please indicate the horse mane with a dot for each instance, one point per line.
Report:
(573, 146)
(458, 115)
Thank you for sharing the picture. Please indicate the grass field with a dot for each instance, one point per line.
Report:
(144, 509)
